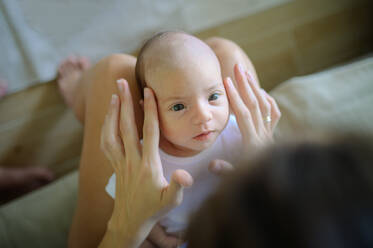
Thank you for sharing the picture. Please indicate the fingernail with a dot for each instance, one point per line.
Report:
(120, 84)
(240, 67)
(250, 76)
(113, 99)
(146, 92)
(229, 81)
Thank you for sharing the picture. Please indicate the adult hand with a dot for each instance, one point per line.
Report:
(256, 112)
(142, 195)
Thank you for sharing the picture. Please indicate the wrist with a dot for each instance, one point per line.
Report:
(129, 233)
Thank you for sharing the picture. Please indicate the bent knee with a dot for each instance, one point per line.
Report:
(222, 44)
(226, 49)
(111, 68)
(117, 66)
(115, 61)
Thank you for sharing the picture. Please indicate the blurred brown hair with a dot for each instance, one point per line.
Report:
(305, 194)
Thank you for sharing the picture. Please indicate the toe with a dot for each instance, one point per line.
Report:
(84, 63)
(64, 66)
(74, 60)
(60, 69)
(71, 58)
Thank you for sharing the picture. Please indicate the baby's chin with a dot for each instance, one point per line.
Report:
(190, 148)
(201, 145)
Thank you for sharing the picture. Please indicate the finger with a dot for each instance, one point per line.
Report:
(244, 119)
(159, 237)
(247, 94)
(147, 244)
(151, 132)
(127, 126)
(220, 167)
(275, 111)
(269, 119)
(264, 105)
(110, 141)
(180, 179)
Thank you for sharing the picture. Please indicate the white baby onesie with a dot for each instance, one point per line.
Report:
(227, 147)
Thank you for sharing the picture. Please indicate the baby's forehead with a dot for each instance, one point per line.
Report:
(176, 50)
(178, 55)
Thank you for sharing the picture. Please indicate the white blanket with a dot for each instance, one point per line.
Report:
(35, 35)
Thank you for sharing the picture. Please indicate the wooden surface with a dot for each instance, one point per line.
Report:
(37, 129)
(301, 37)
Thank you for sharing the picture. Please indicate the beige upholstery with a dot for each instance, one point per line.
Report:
(40, 219)
(338, 99)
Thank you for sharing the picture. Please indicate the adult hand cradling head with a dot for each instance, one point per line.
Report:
(143, 194)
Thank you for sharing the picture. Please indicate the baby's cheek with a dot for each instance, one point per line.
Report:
(222, 116)
(169, 129)
(173, 128)
(164, 121)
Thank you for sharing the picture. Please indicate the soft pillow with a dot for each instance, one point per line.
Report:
(338, 99)
(42, 218)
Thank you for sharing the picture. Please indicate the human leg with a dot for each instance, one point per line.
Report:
(94, 206)
(229, 54)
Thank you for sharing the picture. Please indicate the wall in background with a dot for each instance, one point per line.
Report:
(36, 35)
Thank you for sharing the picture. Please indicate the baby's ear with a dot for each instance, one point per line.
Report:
(142, 104)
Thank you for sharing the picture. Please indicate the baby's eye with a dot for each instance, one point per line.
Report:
(214, 97)
(178, 107)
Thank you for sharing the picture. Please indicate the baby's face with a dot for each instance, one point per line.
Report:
(192, 103)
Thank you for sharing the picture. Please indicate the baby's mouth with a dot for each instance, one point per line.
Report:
(203, 136)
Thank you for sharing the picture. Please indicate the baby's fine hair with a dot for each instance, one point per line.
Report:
(139, 70)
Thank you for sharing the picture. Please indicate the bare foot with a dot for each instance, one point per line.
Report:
(15, 182)
(69, 72)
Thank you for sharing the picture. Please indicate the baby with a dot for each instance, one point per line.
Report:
(195, 122)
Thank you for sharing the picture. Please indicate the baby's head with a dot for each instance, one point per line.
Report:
(184, 74)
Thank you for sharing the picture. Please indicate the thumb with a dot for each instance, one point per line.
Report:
(159, 237)
(220, 167)
(179, 180)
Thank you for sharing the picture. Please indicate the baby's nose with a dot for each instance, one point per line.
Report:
(202, 115)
